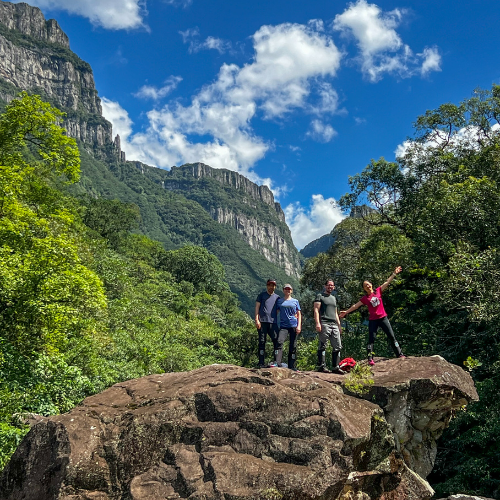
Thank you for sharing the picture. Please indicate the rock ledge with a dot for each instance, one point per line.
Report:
(224, 432)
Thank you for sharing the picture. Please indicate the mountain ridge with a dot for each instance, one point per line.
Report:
(222, 210)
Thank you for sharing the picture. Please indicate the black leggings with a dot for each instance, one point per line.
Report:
(373, 326)
(292, 348)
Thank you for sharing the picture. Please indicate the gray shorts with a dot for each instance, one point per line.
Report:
(330, 331)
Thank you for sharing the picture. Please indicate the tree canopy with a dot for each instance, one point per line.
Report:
(85, 302)
(438, 215)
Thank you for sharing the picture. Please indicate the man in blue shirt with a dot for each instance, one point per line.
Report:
(265, 318)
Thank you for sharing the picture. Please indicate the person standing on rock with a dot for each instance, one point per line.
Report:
(266, 318)
(328, 327)
(377, 316)
(290, 325)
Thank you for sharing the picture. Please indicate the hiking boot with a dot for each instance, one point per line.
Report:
(295, 370)
(338, 371)
(323, 369)
(371, 362)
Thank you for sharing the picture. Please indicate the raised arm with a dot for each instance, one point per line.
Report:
(343, 314)
(390, 278)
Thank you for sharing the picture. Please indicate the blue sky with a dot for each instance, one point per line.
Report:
(294, 94)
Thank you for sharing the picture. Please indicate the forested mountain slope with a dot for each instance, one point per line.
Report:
(221, 210)
(180, 216)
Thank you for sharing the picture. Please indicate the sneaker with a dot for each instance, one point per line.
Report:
(323, 369)
(402, 356)
(338, 371)
(273, 365)
(371, 362)
(295, 370)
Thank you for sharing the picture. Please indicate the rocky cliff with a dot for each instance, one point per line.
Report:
(228, 433)
(265, 232)
(235, 201)
(35, 56)
(232, 179)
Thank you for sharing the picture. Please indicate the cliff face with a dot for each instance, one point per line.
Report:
(232, 179)
(265, 238)
(247, 207)
(30, 21)
(35, 56)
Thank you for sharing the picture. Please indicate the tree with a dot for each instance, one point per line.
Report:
(198, 266)
(50, 302)
(440, 202)
(112, 219)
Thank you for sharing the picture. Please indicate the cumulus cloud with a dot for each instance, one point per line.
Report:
(110, 14)
(321, 132)
(191, 36)
(431, 60)
(307, 224)
(155, 93)
(289, 65)
(381, 48)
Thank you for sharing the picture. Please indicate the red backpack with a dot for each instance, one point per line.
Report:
(347, 364)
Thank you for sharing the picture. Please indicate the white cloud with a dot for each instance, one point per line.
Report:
(321, 132)
(308, 224)
(192, 35)
(155, 93)
(179, 3)
(432, 60)
(217, 44)
(288, 68)
(110, 14)
(381, 48)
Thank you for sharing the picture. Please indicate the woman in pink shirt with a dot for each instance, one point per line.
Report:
(377, 316)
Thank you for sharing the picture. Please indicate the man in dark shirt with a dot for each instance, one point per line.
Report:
(265, 318)
(328, 327)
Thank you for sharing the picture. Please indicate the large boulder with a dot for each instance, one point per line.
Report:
(419, 396)
(229, 433)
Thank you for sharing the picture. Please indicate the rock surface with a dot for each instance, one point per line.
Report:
(224, 432)
(465, 497)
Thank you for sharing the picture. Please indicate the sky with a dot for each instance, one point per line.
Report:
(298, 95)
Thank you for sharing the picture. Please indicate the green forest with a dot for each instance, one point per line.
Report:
(438, 216)
(87, 300)
(181, 216)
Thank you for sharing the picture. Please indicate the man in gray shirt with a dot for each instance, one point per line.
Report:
(328, 327)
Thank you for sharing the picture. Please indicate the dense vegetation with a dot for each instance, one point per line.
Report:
(85, 302)
(181, 216)
(88, 299)
(438, 215)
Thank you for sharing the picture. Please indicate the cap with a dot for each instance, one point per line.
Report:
(287, 285)
(271, 280)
